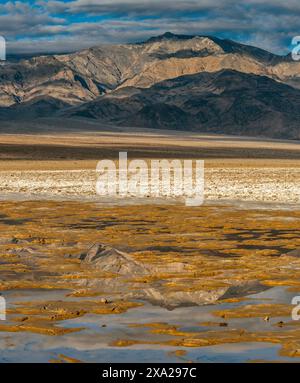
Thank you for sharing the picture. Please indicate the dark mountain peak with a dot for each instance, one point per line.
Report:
(168, 36)
(228, 46)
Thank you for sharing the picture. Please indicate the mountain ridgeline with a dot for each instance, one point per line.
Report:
(196, 83)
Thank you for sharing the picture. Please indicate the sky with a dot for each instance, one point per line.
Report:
(63, 26)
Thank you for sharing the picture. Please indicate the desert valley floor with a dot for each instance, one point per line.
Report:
(148, 280)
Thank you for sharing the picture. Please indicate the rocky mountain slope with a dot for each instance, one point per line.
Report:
(214, 85)
(85, 75)
(227, 101)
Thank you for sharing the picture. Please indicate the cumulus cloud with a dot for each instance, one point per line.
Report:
(61, 26)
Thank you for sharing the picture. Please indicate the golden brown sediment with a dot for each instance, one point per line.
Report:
(221, 245)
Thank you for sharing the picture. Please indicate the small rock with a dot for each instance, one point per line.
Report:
(223, 324)
(293, 253)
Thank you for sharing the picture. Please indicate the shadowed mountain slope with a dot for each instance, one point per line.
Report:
(227, 102)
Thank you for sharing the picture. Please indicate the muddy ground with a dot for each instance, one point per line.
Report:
(189, 251)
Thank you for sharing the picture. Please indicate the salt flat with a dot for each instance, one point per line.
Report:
(62, 164)
(280, 184)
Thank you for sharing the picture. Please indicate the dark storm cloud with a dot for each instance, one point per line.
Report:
(69, 25)
(133, 7)
(17, 19)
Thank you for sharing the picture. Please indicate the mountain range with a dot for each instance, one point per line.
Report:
(198, 83)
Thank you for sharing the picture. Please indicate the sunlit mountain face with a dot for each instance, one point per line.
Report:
(170, 81)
